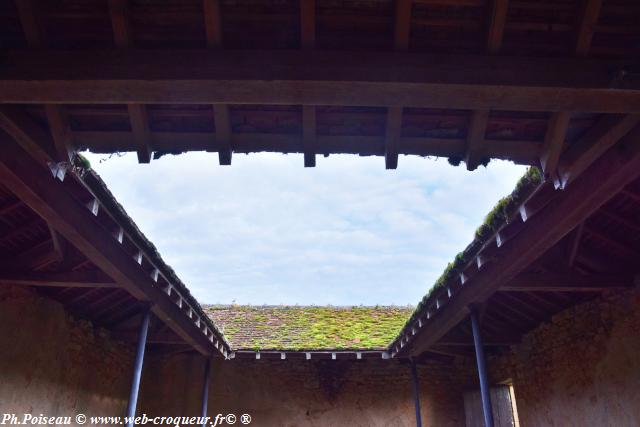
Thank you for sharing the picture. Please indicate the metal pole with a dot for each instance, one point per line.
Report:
(482, 370)
(137, 366)
(205, 390)
(416, 392)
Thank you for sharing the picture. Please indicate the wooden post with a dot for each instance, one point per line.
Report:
(482, 370)
(205, 390)
(137, 367)
(416, 392)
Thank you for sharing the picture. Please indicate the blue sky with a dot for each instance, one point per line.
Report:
(268, 231)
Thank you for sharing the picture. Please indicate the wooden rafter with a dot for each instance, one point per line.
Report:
(574, 244)
(309, 137)
(122, 36)
(402, 28)
(31, 23)
(475, 150)
(587, 20)
(392, 136)
(60, 132)
(497, 22)
(301, 77)
(307, 24)
(213, 23)
(554, 143)
(223, 133)
(595, 142)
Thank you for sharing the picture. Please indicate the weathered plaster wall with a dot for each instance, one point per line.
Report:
(55, 365)
(306, 393)
(580, 369)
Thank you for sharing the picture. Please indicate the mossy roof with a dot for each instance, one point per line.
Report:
(309, 327)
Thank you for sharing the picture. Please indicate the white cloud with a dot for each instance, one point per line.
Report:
(267, 230)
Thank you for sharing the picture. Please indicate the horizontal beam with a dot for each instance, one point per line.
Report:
(70, 279)
(308, 77)
(551, 282)
(522, 152)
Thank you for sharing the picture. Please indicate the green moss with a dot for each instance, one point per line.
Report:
(81, 161)
(501, 214)
(309, 328)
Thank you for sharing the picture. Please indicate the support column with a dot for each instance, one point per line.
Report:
(482, 369)
(137, 366)
(416, 392)
(205, 389)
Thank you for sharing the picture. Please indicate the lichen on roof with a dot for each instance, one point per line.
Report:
(309, 327)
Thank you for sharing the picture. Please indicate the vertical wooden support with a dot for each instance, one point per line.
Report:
(205, 389)
(497, 21)
(402, 28)
(482, 370)
(392, 136)
(416, 392)
(212, 22)
(137, 366)
(309, 135)
(475, 138)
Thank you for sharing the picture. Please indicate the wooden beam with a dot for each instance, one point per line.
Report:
(605, 178)
(309, 135)
(475, 150)
(30, 21)
(140, 129)
(223, 133)
(617, 244)
(60, 132)
(520, 152)
(596, 141)
(587, 20)
(553, 282)
(497, 21)
(402, 29)
(392, 135)
(575, 241)
(69, 279)
(33, 138)
(49, 198)
(317, 77)
(212, 22)
(118, 9)
(554, 143)
(307, 24)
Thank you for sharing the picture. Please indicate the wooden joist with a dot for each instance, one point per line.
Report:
(223, 133)
(562, 282)
(302, 77)
(595, 142)
(309, 136)
(60, 132)
(307, 23)
(475, 150)
(554, 143)
(30, 21)
(606, 177)
(402, 28)
(122, 36)
(587, 20)
(69, 279)
(213, 23)
(497, 21)
(392, 136)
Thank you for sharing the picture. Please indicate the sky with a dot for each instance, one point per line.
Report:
(266, 230)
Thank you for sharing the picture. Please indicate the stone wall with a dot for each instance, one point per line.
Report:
(287, 393)
(53, 364)
(580, 369)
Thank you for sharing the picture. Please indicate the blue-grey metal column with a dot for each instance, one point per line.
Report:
(482, 369)
(205, 390)
(137, 366)
(416, 392)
